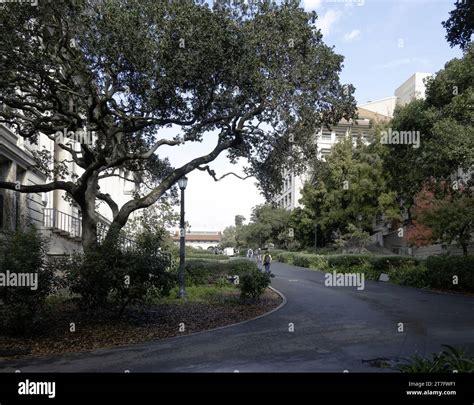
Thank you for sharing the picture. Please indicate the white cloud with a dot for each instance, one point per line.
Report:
(325, 22)
(352, 36)
(310, 5)
(399, 62)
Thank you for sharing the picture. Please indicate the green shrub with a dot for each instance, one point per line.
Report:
(106, 276)
(285, 257)
(443, 269)
(310, 261)
(24, 252)
(240, 266)
(200, 272)
(207, 256)
(252, 284)
(446, 361)
(412, 276)
(301, 260)
(347, 261)
(385, 263)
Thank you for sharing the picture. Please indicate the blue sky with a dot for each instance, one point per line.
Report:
(384, 42)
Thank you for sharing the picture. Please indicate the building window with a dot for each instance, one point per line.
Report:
(289, 200)
(325, 152)
(326, 136)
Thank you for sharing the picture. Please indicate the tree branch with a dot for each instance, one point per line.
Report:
(212, 173)
(110, 202)
(38, 188)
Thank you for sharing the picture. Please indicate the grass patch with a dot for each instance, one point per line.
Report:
(199, 293)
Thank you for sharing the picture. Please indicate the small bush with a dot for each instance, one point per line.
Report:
(207, 256)
(252, 284)
(447, 361)
(200, 272)
(443, 269)
(346, 261)
(285, 257)
(24, 252)
(411, 276)
(386, 263)
(302, 260)
(310, 261)
(111, 276)
(240, 266)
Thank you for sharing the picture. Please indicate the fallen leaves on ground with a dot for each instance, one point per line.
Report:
(139, 324)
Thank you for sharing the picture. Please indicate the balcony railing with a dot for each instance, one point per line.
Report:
(71, 226)
(64, 224)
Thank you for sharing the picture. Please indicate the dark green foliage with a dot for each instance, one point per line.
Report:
(442, 269)
(347, 260)
(460, 24)
(24, 252)
(252, 284)
(129, 69)
(435, 272)
(447, 361)
(285, 257)
(199, 271)
(385, 263)
(309, 260)
(412, 276)
(105, 276)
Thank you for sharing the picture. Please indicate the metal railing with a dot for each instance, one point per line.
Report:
(62, 222)
(71, 226)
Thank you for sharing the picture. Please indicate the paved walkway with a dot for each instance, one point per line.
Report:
(335, 329)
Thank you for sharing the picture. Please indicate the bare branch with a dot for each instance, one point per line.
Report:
(38, 188)
(212, 173)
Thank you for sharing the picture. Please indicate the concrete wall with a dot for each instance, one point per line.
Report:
(384, 106)
(440, 249)
(59, 245)
(412, 88)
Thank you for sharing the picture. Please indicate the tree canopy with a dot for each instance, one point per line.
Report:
(257, 75)
(444, 121)
(460, 24)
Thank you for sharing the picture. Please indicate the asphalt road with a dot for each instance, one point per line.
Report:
(335, 329)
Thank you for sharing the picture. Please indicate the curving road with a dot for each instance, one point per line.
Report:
(335, 329)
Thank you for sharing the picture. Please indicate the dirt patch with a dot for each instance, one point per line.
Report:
(67, 330)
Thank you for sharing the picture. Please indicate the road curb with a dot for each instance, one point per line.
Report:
(282, 296)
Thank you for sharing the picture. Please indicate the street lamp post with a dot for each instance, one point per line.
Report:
(182, 183)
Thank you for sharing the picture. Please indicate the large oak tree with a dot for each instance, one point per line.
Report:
(259, 76)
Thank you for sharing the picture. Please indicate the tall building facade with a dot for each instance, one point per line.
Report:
(413, 88)
(325, 139)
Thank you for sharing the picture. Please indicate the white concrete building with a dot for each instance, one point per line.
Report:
(200, 239)
(413, 88)
(384, 106)
(58, 217)
(324, 140)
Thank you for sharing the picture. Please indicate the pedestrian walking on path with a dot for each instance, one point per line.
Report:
(267, 260)
(250, 253)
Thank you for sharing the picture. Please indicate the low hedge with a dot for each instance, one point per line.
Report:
(199, 271)
(311, 261)
(207, 256)
(285, 257)
(252, 282)
(443, 269)
(435, 272)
